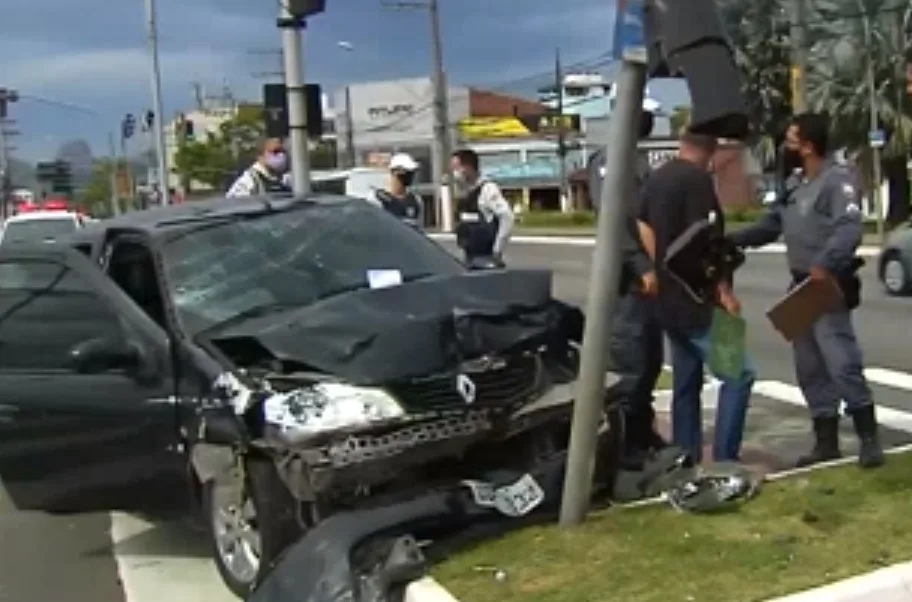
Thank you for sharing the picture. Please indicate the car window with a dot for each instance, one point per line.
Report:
(292, 258)
(38, 230)
(45, 310)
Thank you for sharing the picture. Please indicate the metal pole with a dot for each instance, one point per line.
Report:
(297, 106)
(561, 135)
(4, 172)
(163, 176)
(349, 128)
(115, 160)
(874, 126)
(441, 119)
(799, 56)
(604, 277)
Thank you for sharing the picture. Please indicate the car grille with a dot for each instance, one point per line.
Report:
(511, 381)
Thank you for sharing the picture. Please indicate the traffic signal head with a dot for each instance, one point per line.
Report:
(686, 38)
(128, 126)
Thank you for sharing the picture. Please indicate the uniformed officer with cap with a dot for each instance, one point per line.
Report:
(398, 198)
(819, 216)
(636, 351)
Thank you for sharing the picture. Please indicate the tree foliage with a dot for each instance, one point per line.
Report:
(759, 31)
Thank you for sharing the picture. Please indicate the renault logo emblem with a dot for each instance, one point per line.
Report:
(466, 388)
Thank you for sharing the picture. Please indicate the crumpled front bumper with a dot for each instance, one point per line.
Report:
(356, 461)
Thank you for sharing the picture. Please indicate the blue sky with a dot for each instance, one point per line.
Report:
(93, 53)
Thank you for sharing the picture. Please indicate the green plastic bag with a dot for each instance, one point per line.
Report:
(728, 345)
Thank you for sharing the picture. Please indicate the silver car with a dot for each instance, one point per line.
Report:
(895, 263)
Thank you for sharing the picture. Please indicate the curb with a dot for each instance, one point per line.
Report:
(427, 589)
(891, 584)
(589, 241)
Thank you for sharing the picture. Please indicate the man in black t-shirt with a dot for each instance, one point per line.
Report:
(677, 195)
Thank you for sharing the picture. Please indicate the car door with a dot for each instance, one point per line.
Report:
(73, 438)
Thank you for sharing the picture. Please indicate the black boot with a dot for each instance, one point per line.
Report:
(870, 453)
(826, 442)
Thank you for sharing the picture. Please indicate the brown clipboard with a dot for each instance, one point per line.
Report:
(802, 306)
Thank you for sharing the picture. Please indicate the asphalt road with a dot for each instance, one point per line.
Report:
(117, 557)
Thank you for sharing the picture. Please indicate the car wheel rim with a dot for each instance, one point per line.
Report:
(894, 275)
(237, 538)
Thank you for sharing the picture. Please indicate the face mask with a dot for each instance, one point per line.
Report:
(406, 178)
(791, 160)
(277, 162)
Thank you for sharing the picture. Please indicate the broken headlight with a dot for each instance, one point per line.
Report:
(325, 407)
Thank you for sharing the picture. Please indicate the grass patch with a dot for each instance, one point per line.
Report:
(798, 534)
(664, 382)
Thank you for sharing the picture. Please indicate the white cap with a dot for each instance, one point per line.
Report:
(403, 161)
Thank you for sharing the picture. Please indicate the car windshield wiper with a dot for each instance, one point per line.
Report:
(257, 311)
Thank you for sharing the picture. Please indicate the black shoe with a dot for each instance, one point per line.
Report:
(826, 442)
(870, 453)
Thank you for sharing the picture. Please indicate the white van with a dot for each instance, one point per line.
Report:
(359, 182)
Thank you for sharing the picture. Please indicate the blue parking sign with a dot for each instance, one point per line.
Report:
(629, 34)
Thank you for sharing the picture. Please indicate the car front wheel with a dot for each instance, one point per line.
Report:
(896, 276)
(250, 525)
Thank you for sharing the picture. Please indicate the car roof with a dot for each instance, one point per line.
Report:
(161, 220)
(42, 215)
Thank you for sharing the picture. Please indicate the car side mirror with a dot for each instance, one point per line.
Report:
(104, 354)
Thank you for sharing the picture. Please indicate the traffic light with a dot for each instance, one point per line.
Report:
(148, 120)
(128, 127)
(687, 38)
(188, 129)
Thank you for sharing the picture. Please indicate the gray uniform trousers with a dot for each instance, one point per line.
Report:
(830, 367)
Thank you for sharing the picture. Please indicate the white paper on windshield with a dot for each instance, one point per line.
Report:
(384, 278)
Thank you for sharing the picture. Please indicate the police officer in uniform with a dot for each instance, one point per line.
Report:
(397, 198)
(268, 175)
(636, 352)
(819, 216)
(485, 218)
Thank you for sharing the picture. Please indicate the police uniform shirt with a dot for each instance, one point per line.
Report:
(484, 203)
(256, 181)
(410, 208)
(821, 219)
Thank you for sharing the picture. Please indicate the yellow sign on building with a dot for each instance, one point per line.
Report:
(477, 128)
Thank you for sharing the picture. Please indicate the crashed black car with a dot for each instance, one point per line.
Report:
(280, 360)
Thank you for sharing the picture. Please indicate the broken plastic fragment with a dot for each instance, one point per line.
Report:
(229, 388)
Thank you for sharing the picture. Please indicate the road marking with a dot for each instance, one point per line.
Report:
(164, 561)
(589, 241)
(780, 391)
(889, 378)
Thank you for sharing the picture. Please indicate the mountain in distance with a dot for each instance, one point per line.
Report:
(78, 154)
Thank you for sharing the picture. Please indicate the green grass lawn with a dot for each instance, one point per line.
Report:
(797, 534)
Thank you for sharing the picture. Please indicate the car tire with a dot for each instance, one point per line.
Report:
(254, 530)
(895, 275)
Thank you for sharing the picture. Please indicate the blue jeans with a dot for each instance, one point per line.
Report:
(689, 352)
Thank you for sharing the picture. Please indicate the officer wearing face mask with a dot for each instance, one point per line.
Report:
(819, 217)
(397, 198)
(268, 175)
(485, 217)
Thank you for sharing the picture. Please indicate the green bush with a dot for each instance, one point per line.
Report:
(743, 214)
(557, 219)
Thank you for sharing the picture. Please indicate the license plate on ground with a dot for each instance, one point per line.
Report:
(518, 499)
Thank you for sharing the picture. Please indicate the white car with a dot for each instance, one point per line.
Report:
(40, 226)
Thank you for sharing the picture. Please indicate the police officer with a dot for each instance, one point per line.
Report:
(820, 218)
(485, 218)
(636, 352)
(268, 175)
(397, 198)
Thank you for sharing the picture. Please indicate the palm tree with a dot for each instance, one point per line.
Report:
(847, 36)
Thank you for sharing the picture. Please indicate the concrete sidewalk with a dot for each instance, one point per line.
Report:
(891, 584)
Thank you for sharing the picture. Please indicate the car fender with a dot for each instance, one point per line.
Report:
(211, 462)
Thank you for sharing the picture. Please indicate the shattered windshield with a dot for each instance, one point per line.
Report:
(293, 258)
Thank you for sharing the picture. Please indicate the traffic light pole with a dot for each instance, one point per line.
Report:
(115, 167)
(292, 26)
(588, 409)
(159, 128)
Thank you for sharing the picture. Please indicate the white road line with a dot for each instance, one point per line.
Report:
(889, 378)
(589, 241)
(164, 562)
(784, 392)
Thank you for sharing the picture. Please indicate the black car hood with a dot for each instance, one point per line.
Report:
(374, 336)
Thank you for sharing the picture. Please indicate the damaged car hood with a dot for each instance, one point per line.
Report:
(373, 336)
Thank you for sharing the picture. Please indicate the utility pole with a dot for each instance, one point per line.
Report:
(799, 55)
(442, 145)
(349, 129)
(7, 97)
(112, 149)
(561, 132)
(292, 25)
(874, 127)
(158, 124)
